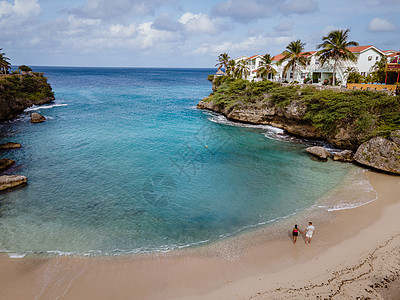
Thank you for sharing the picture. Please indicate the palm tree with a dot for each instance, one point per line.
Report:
(4, 64)
(334, 46)
(295, 56)
(231, 67)
(242, 70)
(265, 66)
(223, 60)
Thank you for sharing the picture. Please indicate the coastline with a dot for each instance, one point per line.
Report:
(341, 260)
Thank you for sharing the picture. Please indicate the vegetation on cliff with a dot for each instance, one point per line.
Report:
(362, 113)
(30, 86)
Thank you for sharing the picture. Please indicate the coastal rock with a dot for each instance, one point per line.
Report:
(11, 181)
(395, 137)
(319, 152)
(6, 163)
(37, 118)
(379, 153)
(295, 110)
(345, 155)
(9, 145)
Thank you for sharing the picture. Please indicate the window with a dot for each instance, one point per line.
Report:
(291, 75)
(317, 62)
(303, 75)
(369, 57)
(362, 73)
(376, 58)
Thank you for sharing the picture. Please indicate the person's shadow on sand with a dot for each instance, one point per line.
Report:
(290, 235)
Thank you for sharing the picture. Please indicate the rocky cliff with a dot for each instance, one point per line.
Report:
(346, 119)
(17, 92)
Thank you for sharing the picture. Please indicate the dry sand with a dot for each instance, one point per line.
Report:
(356, 255)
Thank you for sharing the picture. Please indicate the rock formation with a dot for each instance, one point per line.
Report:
(18, 92)
(9, 145)
(6, 163)
(395, 137)
(11, 181)
(319, 152)
(379, 153)
(287, 118)
(37, 118)
(345, 155)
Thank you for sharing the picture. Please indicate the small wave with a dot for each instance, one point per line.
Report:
(359, 193)
(34, 107)
(344, 206)
(271, 132)
(16, 255)
(257, 225)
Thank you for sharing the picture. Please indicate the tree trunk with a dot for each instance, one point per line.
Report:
(334, 71)
(293, 69)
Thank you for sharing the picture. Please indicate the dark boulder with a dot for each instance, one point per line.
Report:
(345, 155)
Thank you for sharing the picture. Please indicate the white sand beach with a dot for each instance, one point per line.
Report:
(356, 254)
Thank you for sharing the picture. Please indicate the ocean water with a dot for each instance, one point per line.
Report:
(125, 163)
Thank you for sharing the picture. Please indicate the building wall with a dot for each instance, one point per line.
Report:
(364, 64)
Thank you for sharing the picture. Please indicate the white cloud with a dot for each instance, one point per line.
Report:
(298, 6)
(117, 9)
(17, 13)
(381, 25)
(197, 23)
(243, 11)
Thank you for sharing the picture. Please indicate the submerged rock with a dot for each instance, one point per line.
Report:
(11, 181)
(37, 118)
(319, 152)
(345, 155)
(9, 145)
(379, 153)
(6, 163)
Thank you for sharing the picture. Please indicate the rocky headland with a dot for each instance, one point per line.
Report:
(18, 92)
(350, 120)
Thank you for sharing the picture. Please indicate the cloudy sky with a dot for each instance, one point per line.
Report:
(182, 33)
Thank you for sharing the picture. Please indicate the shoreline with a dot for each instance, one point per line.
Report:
(257, 269)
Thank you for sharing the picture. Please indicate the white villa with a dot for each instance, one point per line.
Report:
(367, 56)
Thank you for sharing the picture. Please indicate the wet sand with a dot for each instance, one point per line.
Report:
(354, 254)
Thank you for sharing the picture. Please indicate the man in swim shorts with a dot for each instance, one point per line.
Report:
(309, 232)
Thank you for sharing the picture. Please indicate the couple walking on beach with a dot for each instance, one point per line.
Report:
(309, 232)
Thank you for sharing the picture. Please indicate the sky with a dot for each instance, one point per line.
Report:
(182, 33)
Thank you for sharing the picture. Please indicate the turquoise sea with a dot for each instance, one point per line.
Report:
(125, 163)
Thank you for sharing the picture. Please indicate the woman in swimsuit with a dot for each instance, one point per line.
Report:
(295, 233)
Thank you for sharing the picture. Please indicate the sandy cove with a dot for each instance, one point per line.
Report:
(356, 255)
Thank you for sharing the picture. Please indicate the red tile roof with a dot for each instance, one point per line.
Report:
(278, 57)
(394, 54)
(359, 48)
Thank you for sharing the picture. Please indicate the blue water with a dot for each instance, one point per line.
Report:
(125, 163)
